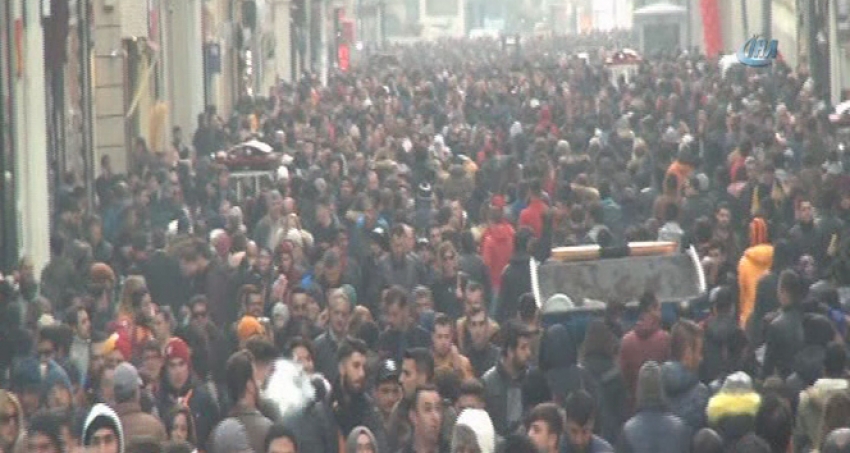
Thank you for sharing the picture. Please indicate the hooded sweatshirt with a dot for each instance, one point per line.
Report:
(647, 341)
(351, 442)
(497, 247)
(807, 429)
(478, 421)
(7, 400)
(558, 362)
(753, 265)
(102, 416)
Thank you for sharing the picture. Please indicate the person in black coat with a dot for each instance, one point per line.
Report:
(784, 336)
(516, 278)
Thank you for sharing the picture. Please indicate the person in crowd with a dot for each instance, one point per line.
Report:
(724, 341)
(646, 342)
(136, 424)
(479, 349)
(245, 388)
(807, 433)
(102, 431)
(388, 391)
(686, 395)
(179, 387)
(545, 427)
(775, 422)
(426, 418)
(653, 428)
(327, 344)
(837, 441)
(44, 434)
(473, 432)
(559, 364)
(180, 425)
(361, 440)
(12, 423)
(230, 436)
(401, 332)
(280, 439)
(784, 337)
(503, 383)
(732, 413)
(350, 403)
(598, 357)
(446, 354)
(756, 262)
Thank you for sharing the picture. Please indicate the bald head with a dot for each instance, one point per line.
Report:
(838, 441)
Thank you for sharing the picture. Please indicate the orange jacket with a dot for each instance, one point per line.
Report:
(753, 265)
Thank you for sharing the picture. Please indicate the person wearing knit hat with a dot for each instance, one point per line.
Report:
(102, 430)
(653, 428)
(230, 436)
(181, 389)
(249, 327)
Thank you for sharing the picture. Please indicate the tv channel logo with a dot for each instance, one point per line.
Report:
(758, 52)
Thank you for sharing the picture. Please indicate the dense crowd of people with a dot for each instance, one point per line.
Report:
(387, 263)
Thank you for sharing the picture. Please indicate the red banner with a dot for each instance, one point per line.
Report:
(712, 32)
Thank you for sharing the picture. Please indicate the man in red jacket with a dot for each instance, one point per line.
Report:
(647, 341)
(497, 242)
(532, 215)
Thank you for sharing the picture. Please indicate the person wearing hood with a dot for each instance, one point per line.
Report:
(646, 342)
(559, 364)
(784, 336)
(807, 429)
(533, 214)
(686, 395)
(766, 291)
(497, 242)
(473, 433)
(230, 436)
(732, 412)
(757, 260)
(361, 440)
(179, 387)
(653, 429)
(12, 422)
(724, 342)
(102, 431)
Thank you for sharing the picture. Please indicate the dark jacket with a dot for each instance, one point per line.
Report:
(407, 272)
(165, 282)
(723, 344)
(444, 291)
(597, 445)
(784, 339)
(687, 397)
(326, 363)
(482, 360)
(612, 397)
(201, 404)
(559, 364)
(499, 389)
(139, 425)
(392, 343)
(516, 278)
(351, 411)
(654, 431)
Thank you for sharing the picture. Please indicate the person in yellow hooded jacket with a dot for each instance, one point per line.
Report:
(755, 263)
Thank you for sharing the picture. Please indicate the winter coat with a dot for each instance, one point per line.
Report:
(497, 246)
(558, 362)
(753, 265)
(807, 429)
(500, 390)
(325, 347)
(733, 416)
(597, 445)
(654, 431)
(350, 411)
(516, 280)
(723, 340)
(784, 338)
(139, 425)
(532, 216)
(687, 397)
(407, 272)
(647, 341)
(201, 403)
